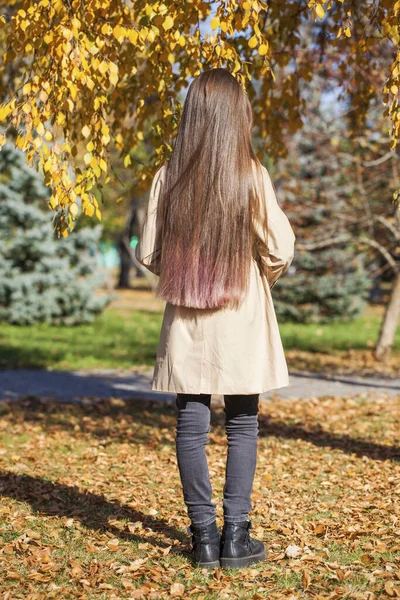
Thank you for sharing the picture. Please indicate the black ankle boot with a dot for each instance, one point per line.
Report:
(238, 549)
(205, 545)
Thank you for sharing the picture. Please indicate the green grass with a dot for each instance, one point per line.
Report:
(361, 334)
(130, 339)
(111, 341)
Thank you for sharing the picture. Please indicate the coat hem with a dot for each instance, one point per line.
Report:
(218, 391)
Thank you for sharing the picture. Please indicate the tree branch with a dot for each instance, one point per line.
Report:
(390, 226)
(385, 253)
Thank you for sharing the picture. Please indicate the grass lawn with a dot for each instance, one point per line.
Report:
(91, 505)
(126, 336)
(113, 340)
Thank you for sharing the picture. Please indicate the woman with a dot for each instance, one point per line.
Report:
(218, 240)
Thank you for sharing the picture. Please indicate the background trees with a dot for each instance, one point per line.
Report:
(338, 189)
(42, 279)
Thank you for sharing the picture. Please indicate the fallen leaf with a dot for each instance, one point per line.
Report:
(293, 551)
(389, 588)
(177, 589)
(305, 580)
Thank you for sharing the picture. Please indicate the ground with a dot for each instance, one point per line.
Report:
(91, 503)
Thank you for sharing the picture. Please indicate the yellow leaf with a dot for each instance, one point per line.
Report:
(113, 77)
(215, 23)
(85, 131)
(40, 129)
(53, 202)
(103, 165)
(88, 209)
(253, 41)
(73, 89)
(133, 36)
(127, 160)
(87, 158)
(168, 23)
(73, 209)
(60, 119)
(263, 49)
(4, 111)
(236, 68)
(319, 9)
(117, 31)
(347, 31)
(103, 67)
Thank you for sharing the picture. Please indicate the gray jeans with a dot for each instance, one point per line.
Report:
(193, 426)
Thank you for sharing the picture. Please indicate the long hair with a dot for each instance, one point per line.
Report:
(208, 199)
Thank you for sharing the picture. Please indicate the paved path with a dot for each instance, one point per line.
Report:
(72, 385)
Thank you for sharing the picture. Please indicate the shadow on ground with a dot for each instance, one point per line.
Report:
(153, 422)
(91, 510)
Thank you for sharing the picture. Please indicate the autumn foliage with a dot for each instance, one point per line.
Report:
(79, 78)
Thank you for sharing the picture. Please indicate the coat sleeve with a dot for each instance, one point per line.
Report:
(148, 249)
(276, 252)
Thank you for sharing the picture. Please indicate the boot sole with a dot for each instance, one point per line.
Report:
(243, 561)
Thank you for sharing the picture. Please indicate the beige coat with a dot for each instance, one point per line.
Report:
(224, 351)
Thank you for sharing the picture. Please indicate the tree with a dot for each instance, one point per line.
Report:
(337, 189)
(330, 279)
(93, 73)
(42, 279)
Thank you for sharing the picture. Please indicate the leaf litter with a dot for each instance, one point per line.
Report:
(91, 503)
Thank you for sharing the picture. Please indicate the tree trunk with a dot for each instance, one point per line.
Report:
(125, 267)
(390, 321)
(125, 258)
